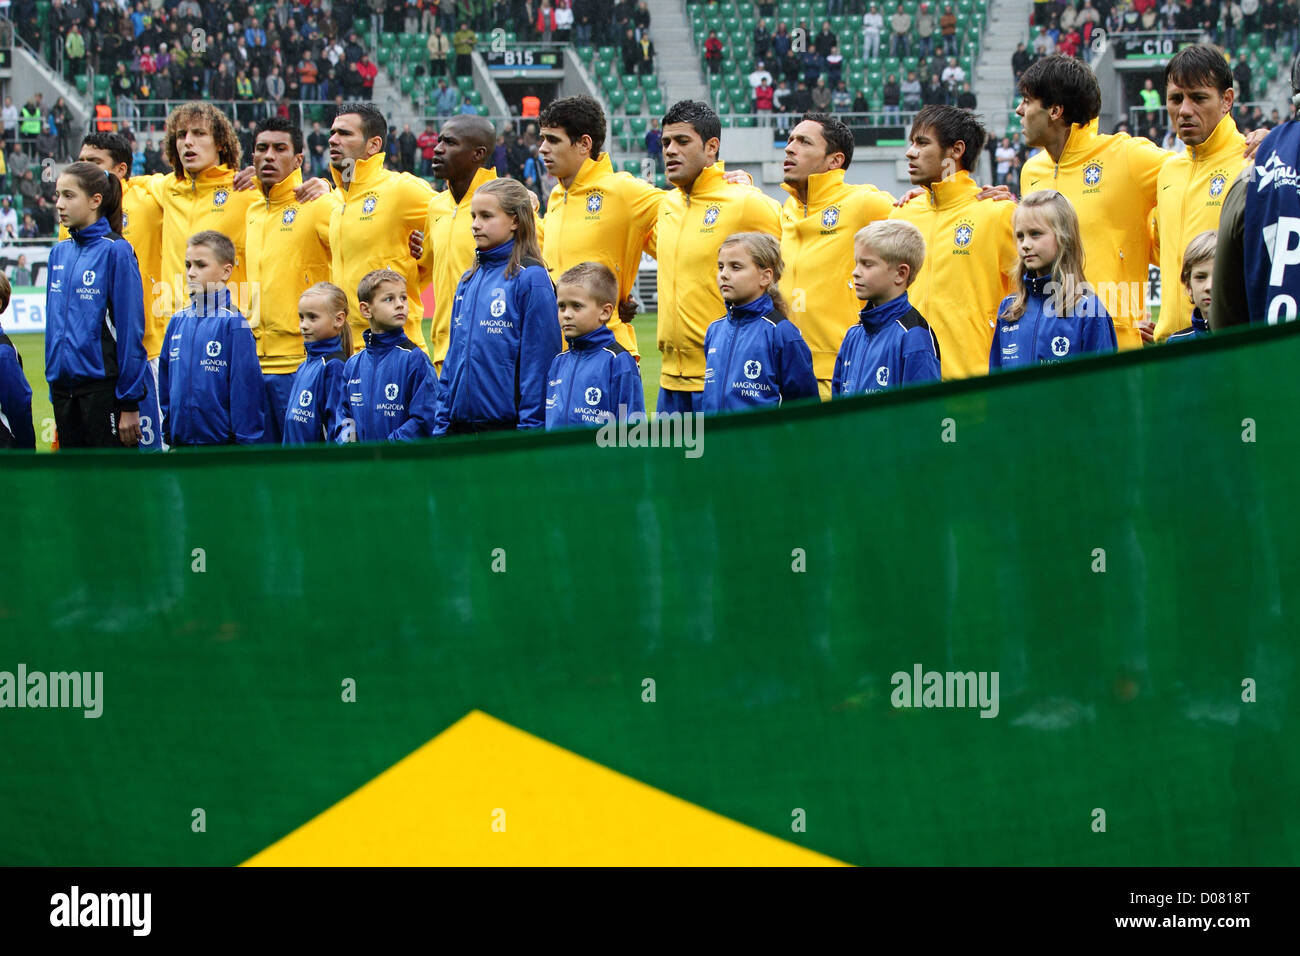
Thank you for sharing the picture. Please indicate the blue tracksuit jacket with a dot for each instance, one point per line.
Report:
(1042, 337)
(755, 357)
(1271, 228)
(389, 391)
(587, 384)
(504, 333)
(1198, 328)
(891, 346)
(315, 396)
(94, 314)
(15, 399)
(209, 381)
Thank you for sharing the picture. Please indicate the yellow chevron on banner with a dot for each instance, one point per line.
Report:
(485, 793)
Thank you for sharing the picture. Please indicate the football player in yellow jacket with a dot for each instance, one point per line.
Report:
(287, 251)
(702, 211)
(199, 194)
(447, 243)
(818, 223)
(142, 228)
(970, 244)
(594, 214)
(381, 209)
(1198, 95)
(1109, 179)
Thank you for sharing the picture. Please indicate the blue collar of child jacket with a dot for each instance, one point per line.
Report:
(384, 341)
(750, 310)
(96, 230)
(595, 339)
(496, 255)
(875, 317)
(323, 346)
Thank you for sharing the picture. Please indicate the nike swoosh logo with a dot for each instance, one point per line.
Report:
(1166, 187)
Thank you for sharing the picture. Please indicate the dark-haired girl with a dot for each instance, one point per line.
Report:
(94, 304)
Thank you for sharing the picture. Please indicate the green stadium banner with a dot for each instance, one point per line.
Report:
(1116, 542)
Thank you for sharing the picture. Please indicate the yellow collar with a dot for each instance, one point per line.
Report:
(363, 171)
(282, 192)
(820, 186)
(1220, 139)
(953, 190)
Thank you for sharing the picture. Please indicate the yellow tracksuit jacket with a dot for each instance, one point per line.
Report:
(142, 228)
(287, 246)
(604, 217)
(817, 250)
(208, 201)
(371, 230)
(448, 255)
(689, 232)
(1192, 188)
(970, 254)
(1111, 182)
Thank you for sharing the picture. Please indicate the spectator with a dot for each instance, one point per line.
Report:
(1068, 43)
(891, 94)
(901, 25)
(654, 144)
(821, 95)
(153, 159)
(463, 43)
(1020, 61)
(826, 40)
(406, 144)
(641, 19)
(841, 100)
(445, 101)
(953, 76)
(563, 27)
(911, 90)
(948, 32)
(9, 115)
(20, 274)
(934, 93)
(834, 67)
(28, 187)
(275, 87)
(872, 26)
(438, 47)
(307, 74)
(759, 75)
(763, 96)
(1151, 102)
(781, 97)
(1043, 45)
(860, 104)
(427, 142)
(1268, 19)
(762, 41)
(631, 52)
(811, 65)
(8, 216)
(74, 51)
(781, 41)
(713, 52)
(925, 29)
(545, 23)
(966, 98)
(646, 64)
(1241, 74)
(800, 100)
(367, 69)
(1005, 155)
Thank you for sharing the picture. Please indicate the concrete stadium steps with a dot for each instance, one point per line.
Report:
(678, 62)
(994, 84)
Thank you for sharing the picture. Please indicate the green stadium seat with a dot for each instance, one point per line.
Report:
(649, 82)
(102, 84)
(82, 85)
(616, 99)
(609, 82)
(388, 40)
(661, 180)
(632, 166)
(638, 125)
(635, 99)
(465, 83)
(384, 56)
(408, 85)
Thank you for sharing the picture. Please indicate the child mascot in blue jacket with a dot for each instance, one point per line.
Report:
(596, 380)
(504, 328)
(209, 379)
(755, 356)
(891, 345)
(311, 414)
(94, 306)
(389, 390)
(1052, 315)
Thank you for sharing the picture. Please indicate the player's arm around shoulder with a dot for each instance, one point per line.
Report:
(874, 204)
(762, 212)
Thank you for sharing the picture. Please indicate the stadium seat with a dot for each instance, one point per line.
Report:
(465, 83)
(408, 85)
(635, 99)
(616, 99)
(661, 181)
(82, 85)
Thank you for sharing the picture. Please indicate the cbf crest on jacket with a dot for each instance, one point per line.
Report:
(209, 382)
(95, 315)
(754, 357)
(588, 384)
(890, 346)
(1043, 335)
(389, 391)
(316, 396)
(504, 332)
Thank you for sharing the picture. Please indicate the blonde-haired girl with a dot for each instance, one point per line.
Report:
(754, 355)
(314, 410)
(1052, 313)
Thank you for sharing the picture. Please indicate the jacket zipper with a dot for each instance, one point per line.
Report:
(732, 331)
(573, 375)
